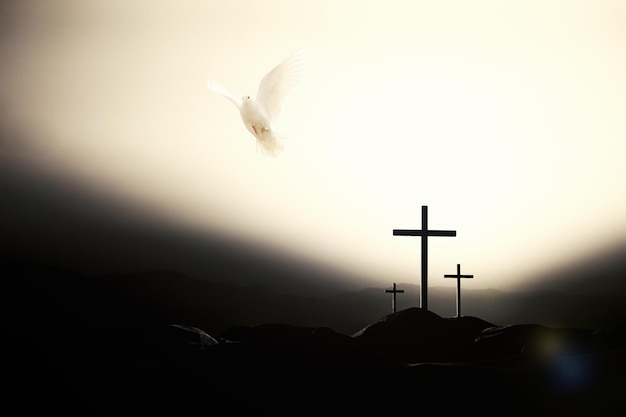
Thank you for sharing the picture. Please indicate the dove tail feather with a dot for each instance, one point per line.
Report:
(270, 143)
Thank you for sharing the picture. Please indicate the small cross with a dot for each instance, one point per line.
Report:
(458, 277)
(393, 299)
(424, 233)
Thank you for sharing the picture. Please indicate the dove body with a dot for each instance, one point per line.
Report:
(254, 116)
(257, 122)
(259, 114)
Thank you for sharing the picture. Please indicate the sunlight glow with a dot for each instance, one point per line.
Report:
(506, 120)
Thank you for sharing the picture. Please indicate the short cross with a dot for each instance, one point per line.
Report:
(458, 277)
(424, 233)
(393, 298)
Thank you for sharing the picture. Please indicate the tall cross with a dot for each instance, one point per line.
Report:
(393, 299)
(424, 233)
(458, 277)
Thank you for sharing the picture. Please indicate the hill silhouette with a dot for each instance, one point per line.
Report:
(168, 343)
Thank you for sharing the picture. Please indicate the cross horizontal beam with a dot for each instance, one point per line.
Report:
(458, 276)
(406, 232)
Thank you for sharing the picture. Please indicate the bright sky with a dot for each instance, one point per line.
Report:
(507, 119)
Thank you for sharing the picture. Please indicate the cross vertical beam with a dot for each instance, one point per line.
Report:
(393, 299)
(424, 283)
(424, 233)
(458, 277)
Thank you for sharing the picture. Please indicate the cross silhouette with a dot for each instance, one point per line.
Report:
(424, 233)
(458, 277)
(393, 299)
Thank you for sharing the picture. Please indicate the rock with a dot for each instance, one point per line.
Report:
(416, 335)
(192, 336)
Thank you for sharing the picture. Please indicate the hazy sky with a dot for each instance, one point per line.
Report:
(506, 118)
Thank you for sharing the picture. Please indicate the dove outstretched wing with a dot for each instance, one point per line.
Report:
(279, 82)
(218, 88)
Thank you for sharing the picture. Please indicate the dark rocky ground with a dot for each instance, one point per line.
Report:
(80, 351)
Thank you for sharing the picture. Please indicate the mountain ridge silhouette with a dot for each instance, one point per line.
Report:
(215, 305)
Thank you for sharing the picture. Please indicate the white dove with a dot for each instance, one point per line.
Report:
(259, 114)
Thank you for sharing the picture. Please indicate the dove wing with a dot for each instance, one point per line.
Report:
(279, 82)
(221, 90)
